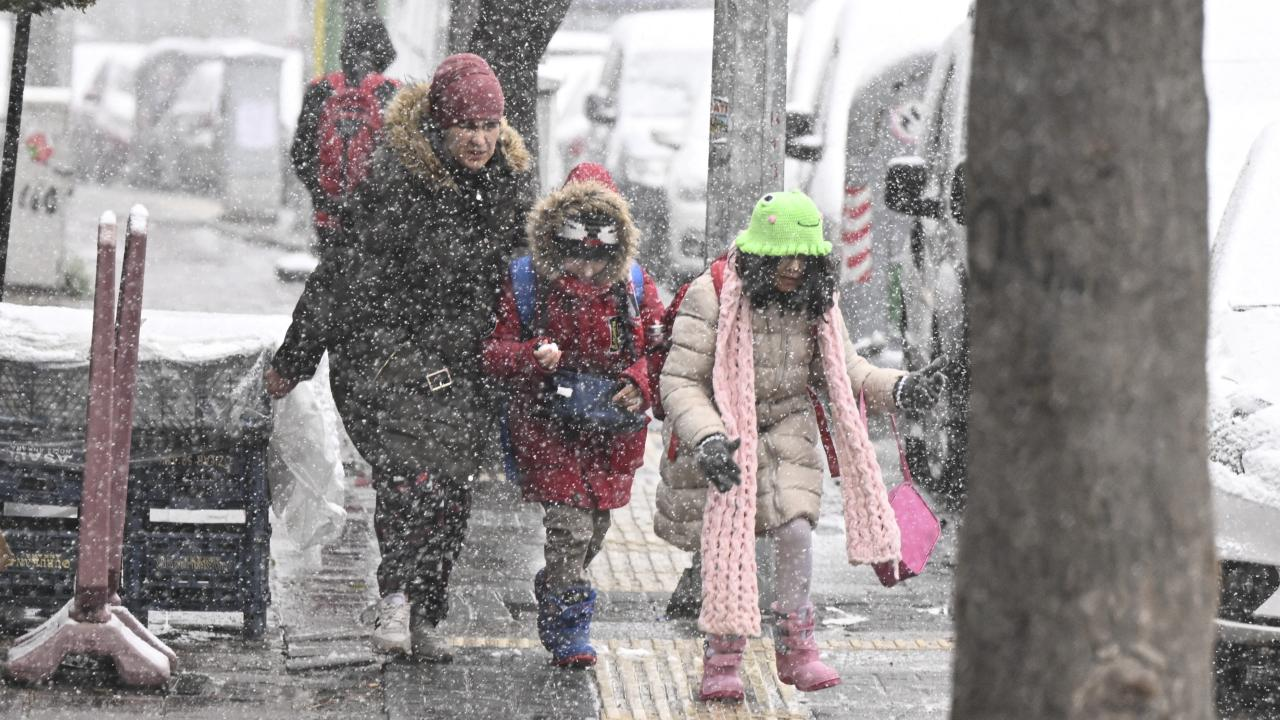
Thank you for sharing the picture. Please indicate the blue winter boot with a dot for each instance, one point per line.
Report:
(564, 627)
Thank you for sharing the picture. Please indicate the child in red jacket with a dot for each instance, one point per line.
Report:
(570, 344)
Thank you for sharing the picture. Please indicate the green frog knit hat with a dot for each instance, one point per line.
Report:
(784, 223)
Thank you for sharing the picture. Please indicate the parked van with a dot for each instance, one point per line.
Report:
(574, 60)
(217, 116)
(657, 64)
(929, 188)
(815, 62)
(931, 264)
(864, 115)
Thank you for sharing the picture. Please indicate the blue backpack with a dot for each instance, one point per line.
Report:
(524, 286)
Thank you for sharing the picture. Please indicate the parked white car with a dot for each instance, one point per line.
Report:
(1244, 422)
(657, 64)
(574, 59)
(101, 113)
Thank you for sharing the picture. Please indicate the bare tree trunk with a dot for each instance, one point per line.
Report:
(462, 17)
(512, 36)
(1086, 586)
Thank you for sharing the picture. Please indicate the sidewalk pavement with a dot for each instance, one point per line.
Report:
(892, 646)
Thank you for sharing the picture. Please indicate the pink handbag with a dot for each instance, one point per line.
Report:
(919, 526)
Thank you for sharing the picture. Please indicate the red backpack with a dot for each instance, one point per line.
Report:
(658, 356)
(350, 120)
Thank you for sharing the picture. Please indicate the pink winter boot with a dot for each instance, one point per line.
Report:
(720, 663)
(797, 652)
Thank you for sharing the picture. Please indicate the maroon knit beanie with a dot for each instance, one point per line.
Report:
(464, 88)
(591, 171)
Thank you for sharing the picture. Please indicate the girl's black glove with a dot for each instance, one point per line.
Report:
(715, 459)
(920, 391)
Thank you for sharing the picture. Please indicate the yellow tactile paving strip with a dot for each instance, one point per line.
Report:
(658, 679)
(829, 645)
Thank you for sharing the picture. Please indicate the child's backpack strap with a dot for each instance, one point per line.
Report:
(524, 288)
(717, 272)
(637, 283)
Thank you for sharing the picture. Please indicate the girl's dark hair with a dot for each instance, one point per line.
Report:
(816, 293)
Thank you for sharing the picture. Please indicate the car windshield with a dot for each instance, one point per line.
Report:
(662, 84)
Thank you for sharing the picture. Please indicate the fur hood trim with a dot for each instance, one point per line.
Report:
(589, 197)
(403, 128)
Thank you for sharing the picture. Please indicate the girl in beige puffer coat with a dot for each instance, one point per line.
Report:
(736, 391)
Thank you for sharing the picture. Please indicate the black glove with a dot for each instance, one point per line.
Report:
(715, 459)
(921, 390)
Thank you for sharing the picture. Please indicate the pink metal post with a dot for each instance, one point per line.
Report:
(93, 623)
(128, 324)
(92, 585)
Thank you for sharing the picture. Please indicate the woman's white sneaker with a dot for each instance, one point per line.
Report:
(391, 628)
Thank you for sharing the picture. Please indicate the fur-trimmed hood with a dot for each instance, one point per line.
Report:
(577, 198)
(403, 129)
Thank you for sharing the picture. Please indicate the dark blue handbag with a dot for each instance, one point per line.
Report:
(583, 400)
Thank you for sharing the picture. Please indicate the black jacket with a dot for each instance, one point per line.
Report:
(413, 293)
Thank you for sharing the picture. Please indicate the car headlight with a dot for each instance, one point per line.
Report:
(645, 170)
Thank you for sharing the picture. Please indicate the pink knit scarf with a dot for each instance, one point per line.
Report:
(730, 599)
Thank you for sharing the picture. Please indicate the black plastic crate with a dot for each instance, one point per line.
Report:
(40, 484)
(199, 568)
(44, 394)
(43, 573)
(231, 478)
(230, 475)
(40, 466)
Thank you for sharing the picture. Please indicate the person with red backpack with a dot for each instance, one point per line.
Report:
(338, 131)
(753, 342)
(339, 124)
(570, 346)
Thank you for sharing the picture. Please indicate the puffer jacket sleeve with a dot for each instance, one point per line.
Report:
(686, 376)
(876, 382)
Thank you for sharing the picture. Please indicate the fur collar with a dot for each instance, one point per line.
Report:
(403, 123)
(574, 198)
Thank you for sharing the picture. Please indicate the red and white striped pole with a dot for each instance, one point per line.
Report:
(855, 235)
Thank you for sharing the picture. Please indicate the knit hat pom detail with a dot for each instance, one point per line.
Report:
(784, 223)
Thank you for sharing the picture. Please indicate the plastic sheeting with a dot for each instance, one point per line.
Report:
(199, 384)
(305, 464)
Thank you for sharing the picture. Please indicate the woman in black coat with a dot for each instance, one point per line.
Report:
(438, 218)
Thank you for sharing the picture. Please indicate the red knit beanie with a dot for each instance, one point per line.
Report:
(591, 171)
(464, 88)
